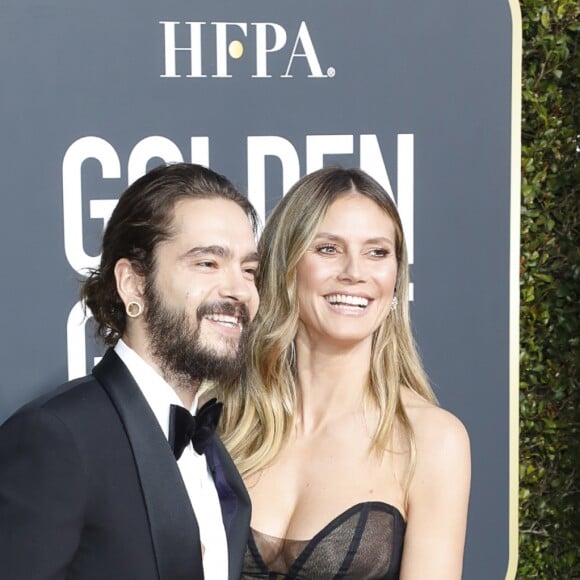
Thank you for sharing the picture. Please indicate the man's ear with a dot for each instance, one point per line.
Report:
(130, 285)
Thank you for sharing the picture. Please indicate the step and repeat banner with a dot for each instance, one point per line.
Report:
(422, 95)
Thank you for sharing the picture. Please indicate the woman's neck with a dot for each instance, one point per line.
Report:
(331, 381)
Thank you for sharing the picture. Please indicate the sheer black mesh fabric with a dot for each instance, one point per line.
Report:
(363, 543)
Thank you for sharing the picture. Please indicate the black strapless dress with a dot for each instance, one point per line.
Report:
(363, 543)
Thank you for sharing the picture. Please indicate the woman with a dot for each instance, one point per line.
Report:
(352, 468)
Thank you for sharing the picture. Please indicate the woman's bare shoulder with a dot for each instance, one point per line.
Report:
(438, 494)
(435, 429)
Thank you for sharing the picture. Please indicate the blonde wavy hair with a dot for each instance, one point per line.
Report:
(259, 412)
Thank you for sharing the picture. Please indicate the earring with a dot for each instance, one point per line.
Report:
(134, 309)
(394, 303)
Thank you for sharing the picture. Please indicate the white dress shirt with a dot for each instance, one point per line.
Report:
(193, 467)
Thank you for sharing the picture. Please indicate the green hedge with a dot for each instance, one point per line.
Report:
(549, 285)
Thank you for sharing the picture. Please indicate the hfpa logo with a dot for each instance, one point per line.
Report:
(264, 38)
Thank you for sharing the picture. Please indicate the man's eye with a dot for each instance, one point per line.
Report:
(207, 264)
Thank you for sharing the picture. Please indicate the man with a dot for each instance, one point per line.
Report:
(96, 480)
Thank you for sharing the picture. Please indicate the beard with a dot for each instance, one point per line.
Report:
(176, 345)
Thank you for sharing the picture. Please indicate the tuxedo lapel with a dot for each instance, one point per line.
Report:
(235, 504)
(174, 529)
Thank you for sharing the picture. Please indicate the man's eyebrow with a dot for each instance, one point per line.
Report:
(197, 251)
(251, 257)
(219, 251)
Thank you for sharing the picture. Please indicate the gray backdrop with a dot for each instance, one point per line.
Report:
(418, 93)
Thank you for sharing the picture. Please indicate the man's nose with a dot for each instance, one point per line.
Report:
(237, 286)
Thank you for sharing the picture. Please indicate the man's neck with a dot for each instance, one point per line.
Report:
(182, 384)
(184, 387)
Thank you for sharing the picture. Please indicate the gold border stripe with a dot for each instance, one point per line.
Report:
(514, 296)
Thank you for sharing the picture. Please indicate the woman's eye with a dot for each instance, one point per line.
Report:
(379, 252)
(327, 249)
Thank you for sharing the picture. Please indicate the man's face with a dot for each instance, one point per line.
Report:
(202, 295)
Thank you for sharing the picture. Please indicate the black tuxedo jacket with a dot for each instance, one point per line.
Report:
(90, 490)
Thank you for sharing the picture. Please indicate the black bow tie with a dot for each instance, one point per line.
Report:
(185, 427)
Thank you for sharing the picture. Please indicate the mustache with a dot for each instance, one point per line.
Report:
(240, 311)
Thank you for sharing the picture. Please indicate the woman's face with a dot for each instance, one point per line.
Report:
(346, 280)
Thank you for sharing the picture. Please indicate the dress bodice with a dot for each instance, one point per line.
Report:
(363, 543)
